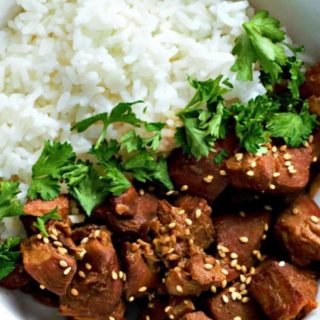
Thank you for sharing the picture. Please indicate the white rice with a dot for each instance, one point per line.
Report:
(62, 61)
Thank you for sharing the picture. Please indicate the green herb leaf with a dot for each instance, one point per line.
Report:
(131, 141)
(122, 112)
(218, 159)
(41, 221)
(9, 204)
(90, 191)
(74, 173)
(9, 256)
(47, 171)
(106, 151)
(296, 75)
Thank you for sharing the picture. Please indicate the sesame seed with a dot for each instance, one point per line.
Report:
(237, 318)
(244, 269)
(188, 232)
(287, 163)
(264, 237)
(131, 299)
(39, 236)
(233, 255)
(243, 239)
(274, 149)
(248, 280)
(283, 148)
(282, 264)
(62, 250)
(142, 289)
(121, 274)
(315, 159)
(208, 266)
(54, 231)
(266, 227)
(234, 296)
(223, 172)
(184, 187)
(243, 278)
(180, 212)
(45, 240)
(306, 144)
(179, 289)
(57, 244)
(172, 225)
(53, 237)
(232, 289)
(81, 274)
(253, 164)
(112, 318)
(224, 283)
(224, 249)
(252, 270)
(295, 211)
(242, 214)
(213, 289)
(208, 179)
(244, 292)
(314, 219)
(233, 263)
(245, 299)
(188, 221)
(88, 266)
(67, 271)
(42, 287)
(268, 208)
(84, 240)
(114, 275)
(257, 253)
(276, 174)
(191, 242)
(310, 139)
(186, 302)
(242, 286)
(238, 156)
(272, 186)
(222, 254)
(225, 272)
(225, 299)
(169, 193)
(198, 213)
(250, 173)
(96, 234)
(171, 316)
(74, 292)
(167, 309)
(287, 156)
(63, 264)
(81, 254)
(141, 192)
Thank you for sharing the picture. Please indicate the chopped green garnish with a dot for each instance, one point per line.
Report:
(48, 170)
(122, 112)
(260, 42)
(9, 256)
(9, 204)
(41, 221)
(218, 159)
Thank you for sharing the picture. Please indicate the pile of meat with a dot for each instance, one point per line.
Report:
(235, 241)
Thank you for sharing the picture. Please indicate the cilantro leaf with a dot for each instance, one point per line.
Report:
(90, 191)
(74, 173)
(154, 141)
(296, 75)
(9, 204)
(106, 151)
(261, 42)
(9, 256)
(218, 159)
(131, 141)
(122, 112)
(293, 128)
(41, 221)
(47, 171)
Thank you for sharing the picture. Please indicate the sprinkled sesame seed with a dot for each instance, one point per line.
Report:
(208, 179)
(252, 270)
(274, 149)
(243, 278)
(57, 244)
(314, 219)
(243, 239)
(232, 289)
(54, 231)
(244, 269)
(88, 266)
(74, 292)
(237, 318)
(222, 254)
(172, 225)
(81, 254)
(224, 283)
(284, 147)
(233, 263)
(248, 280)
(53, 237)
(131, 299)
(45, 240)
(268, 208)
(287, 163)
(253, 164)
(282, 264)
(171, 192)
(224, 249)
(39, 236)
(208, 266)
(272, 186)
(96, 233)
(213, 289)
(225, 299)
(314, 159)
(250, 173)
(186, 302)
(310, 139)
(62, 250)
(244, 292)
(306, 144)
(233, 255)
(198, 213)
(234, 296)
(63, 264)
(188, 232)
(223, 172)
(188, 221)
(114, 275)
(225, 271)
(81, 274)
(141, 192)
(287, 156)
(191, 242)
(167, 309)
(276, 174)
(142, 289)
(242, 214)
(42, 287)
(264, 237)
(121, 274)
(245, 299)
(266, 227)
(84, 240)
(238, 267)
(184, 187)
(238, 156)
(112, 318)
(67, 271)
(179, 289)
(171, 316)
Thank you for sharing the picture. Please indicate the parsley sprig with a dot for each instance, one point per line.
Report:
(9, 256)
(9, 204)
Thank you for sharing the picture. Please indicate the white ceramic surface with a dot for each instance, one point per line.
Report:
(301, 17)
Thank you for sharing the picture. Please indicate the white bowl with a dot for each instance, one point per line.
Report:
(301, 18)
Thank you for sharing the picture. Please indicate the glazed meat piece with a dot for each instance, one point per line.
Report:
(193, 276)
(280, 170)
(284, 291)
(233, 302)
(48, 261)
(17, 279)
(142, 269)
(199, 212)
(199, 315)
(96, 289)
(239, 239)
(38, 208)
(129, 214)
(202, 178)
(298, 227)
